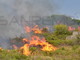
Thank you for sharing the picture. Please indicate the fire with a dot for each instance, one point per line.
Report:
(71, 28)
(25, 40)
(37, 30)
(35, 41)
(0, 48)
(48, 47)
(28, 29)
(25, 49)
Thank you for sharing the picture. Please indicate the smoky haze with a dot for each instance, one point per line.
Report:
(11, 12)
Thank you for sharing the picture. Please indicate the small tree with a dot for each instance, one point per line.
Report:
(61, 29)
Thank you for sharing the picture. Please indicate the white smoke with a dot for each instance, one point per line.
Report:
(18, 8)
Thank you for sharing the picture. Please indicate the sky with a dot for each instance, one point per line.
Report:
(68, 7)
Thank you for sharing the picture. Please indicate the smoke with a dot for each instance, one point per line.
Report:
(11, 12)
(33, 7)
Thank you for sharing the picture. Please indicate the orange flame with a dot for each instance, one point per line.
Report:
(0, 48)
(35, 41)
(25, 49)
(37, 30)
(28, 29)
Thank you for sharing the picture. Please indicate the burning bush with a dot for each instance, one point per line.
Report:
(36, 41)
(39, 48)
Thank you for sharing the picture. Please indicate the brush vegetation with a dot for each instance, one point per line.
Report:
(67, 49)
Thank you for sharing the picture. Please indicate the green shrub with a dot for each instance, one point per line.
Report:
(69, 42)
(45, 53)
(62, 53)
(62, 37)
(12, 55)
(41, 58)
(56, 42)
(33, 48)
(61, 29)
(51, 37)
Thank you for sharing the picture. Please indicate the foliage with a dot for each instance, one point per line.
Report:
(50, 36)
(33, 48)
(64, 42)
(56, 42)
(61, 29)
(12, 55)
(67, 49)
(63, 53)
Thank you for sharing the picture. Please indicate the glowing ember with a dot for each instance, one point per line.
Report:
(35, 41)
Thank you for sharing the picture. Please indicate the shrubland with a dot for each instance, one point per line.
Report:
(67, 49)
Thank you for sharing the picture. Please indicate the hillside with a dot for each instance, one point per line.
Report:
(57, 19)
